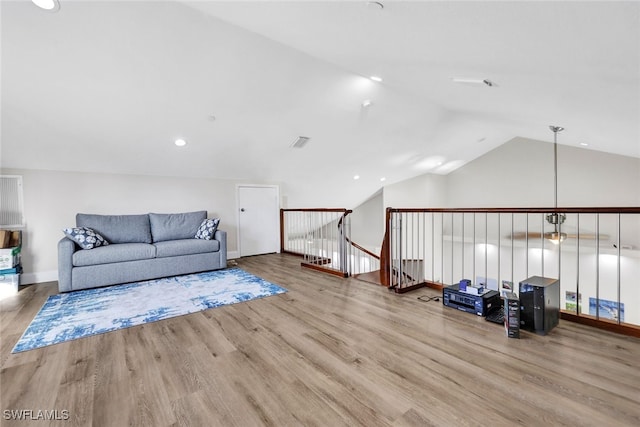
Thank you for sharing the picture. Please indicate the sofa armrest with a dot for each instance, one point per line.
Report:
(221, 236)
(66, 248)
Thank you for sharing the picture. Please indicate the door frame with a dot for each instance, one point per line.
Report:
(238, 187)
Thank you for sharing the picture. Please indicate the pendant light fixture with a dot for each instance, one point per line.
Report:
(555, 218)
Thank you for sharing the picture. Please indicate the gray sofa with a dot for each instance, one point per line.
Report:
(140, 247)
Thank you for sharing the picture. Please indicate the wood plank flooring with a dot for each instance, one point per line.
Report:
(330, 352)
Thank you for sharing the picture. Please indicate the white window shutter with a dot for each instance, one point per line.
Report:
(11, 206)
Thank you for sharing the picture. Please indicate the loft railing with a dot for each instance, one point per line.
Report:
(322, 237)
(595, 252)
(319, 235)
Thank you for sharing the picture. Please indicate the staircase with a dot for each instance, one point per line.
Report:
(322, 238)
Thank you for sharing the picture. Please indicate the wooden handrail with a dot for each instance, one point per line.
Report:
(354, 244)
(346, 212)
(366, 251)
(585, 210)
(317, 210)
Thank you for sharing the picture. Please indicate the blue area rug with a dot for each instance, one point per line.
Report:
(79, 314)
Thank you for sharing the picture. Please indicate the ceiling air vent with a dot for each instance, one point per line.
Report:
(300, 142)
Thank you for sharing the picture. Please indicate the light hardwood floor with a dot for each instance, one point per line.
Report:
(329, 352)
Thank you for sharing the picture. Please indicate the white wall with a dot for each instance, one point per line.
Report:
(368, 219)
(520, 174)
(52, 199)
(424, 191)
(367, 223)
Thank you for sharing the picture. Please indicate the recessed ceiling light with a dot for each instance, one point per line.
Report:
(584, 144)
(180, 142)
(376, 78)
(366, 103)
(383, 179)
(356, 177)
(49, 5)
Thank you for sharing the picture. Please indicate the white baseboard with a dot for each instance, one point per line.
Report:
(52, 276)
(39, 277)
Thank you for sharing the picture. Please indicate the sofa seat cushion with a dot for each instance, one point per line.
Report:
(185, 247)
(114, 253)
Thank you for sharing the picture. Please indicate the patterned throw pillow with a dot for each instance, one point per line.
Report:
(208, 229)
(85, 237)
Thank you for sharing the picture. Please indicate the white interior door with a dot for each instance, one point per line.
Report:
(259, 220)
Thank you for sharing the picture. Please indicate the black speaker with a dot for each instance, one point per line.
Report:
(539, 304)
(511, 315)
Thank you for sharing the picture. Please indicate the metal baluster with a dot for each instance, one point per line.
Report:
(618, 266)
(318, 220)
(452, 227)
(400, 251)
(542, 245)
(302, 231)
(578, 267)
(499, 250)
(424, 245)
(392, 242)
(432, 217)
(512, 251)
(442, 247)
(293, 220)
(347, 244)
(414, 242)
(598, 266)
(462, 244)
(527, 246)
(338, 241)
(486, 270)
(473, 252)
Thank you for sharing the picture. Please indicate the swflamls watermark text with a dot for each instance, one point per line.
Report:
(36, 414)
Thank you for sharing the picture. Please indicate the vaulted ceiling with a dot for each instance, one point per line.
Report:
(108, 87)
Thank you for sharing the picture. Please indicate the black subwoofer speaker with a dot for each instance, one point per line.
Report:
(539, 304)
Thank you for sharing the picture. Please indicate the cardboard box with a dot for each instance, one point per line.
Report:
(5, 237)
(16, 239)
(9, 284)
(9, 258)
(10, 239)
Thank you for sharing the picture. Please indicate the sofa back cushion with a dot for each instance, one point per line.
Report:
(175, 226)
(118, 228)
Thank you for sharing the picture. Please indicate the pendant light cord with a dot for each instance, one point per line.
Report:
(555, 130)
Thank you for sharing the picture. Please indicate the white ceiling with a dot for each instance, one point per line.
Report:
(107, 87)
